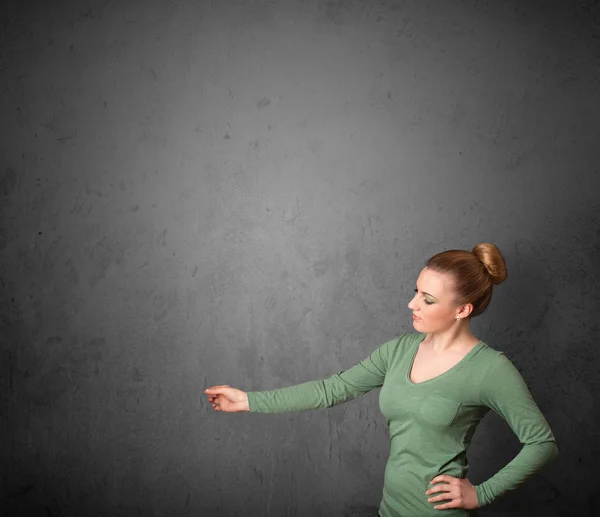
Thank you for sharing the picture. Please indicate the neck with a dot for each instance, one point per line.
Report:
(456, 337)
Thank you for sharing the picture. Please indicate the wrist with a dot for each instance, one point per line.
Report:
(480, 495)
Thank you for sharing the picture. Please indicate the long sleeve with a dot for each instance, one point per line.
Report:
(504, 390)
(345, 385)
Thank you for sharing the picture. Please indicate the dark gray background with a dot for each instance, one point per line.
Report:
(244, 192)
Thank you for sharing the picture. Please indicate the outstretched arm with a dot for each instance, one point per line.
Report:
(363, 377)
(504, 390)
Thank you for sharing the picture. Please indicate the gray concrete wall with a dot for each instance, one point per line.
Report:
(244, 192)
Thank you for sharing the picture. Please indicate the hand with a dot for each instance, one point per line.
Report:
(461, 491)
(228, 399)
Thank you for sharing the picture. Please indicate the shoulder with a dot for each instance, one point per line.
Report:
(406, 338)
(495, 357)
(489, 355)
(410, 338)
(498, 369)
(403, 343)
(491, 363)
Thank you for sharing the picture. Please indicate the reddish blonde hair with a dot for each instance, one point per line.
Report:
(474, 273)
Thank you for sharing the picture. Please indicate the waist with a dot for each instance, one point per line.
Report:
(404, 487)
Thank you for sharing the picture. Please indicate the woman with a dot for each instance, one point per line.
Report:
(436, 386)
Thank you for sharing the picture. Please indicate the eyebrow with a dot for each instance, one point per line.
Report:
(426, 293)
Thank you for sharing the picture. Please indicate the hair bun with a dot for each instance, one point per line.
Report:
(493, 261)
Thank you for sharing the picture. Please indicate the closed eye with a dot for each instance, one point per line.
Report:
(426, 301)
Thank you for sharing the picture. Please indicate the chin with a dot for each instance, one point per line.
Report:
(418, 325)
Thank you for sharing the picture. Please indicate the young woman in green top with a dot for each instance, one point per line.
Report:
(436, 386)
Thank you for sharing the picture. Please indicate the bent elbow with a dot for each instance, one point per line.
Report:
(550, 450)
(554, 451)
(546, 451)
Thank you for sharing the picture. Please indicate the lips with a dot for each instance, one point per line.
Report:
(415, 318)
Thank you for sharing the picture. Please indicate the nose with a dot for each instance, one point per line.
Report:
(412, 305)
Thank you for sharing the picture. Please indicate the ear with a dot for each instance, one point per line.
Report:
(465, 310)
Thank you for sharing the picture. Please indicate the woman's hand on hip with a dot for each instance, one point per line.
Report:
(460, 491)
(228, 399)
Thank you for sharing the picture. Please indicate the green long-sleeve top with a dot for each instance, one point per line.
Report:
(431, 423)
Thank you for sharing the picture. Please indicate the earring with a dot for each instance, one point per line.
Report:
(457, 318)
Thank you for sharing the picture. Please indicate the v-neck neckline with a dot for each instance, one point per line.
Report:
(477, 346)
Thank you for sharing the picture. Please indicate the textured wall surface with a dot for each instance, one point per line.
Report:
(244, 192)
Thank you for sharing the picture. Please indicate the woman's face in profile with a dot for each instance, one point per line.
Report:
(432, 303)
